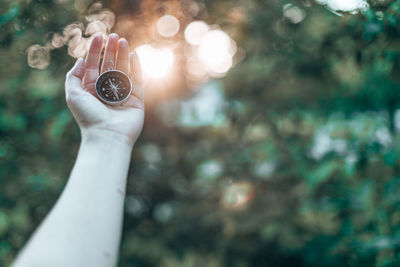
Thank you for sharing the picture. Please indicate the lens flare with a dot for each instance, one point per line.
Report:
(195, 31)
(156, 63)
(216, 51)
(168, 26)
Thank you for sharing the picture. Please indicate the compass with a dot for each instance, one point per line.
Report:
(113, 87)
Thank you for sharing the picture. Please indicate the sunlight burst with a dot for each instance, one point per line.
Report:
(156, 63)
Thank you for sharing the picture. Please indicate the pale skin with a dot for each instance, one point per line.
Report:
(84, 226)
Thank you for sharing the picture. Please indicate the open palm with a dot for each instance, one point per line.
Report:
(93, 116)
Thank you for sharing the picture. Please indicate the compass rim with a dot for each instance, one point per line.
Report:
(113, 103)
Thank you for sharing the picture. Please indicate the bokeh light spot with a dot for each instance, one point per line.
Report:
(216, 51)
(345, 5)
(167, 26)
(238, 195)
(57, 41)
(293, 13)
(77, 47)
(107, 17)
(96, 27)
(195, 31)
(38, 56)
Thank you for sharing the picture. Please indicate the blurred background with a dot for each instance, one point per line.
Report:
(271, 135)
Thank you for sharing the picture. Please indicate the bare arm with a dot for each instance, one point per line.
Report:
(84, 227)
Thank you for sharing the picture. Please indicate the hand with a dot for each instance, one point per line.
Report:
(96, 119)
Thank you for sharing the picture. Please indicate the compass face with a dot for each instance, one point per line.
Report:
(113, 87)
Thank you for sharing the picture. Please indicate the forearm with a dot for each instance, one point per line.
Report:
(84, 227)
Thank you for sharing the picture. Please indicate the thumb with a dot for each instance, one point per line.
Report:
(74, 77)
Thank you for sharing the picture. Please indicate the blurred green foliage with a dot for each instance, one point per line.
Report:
(311, 137)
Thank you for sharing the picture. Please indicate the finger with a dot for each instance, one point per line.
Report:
(135, 68)
(93, 57)
(136, 75)
(73, 82)
(111, 50)
(123, 56)
(92, 62)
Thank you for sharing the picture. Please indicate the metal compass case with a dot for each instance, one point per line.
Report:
(113, 87)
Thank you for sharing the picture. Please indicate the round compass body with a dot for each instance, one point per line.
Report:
(113, 87)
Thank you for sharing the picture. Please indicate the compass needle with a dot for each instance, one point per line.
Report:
(116, 94)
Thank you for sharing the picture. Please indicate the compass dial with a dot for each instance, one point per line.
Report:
(113, 87)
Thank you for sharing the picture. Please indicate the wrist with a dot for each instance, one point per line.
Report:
(103, 137)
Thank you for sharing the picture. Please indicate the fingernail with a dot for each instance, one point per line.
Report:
(99, 36)
(113, 35)
(123, 41)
